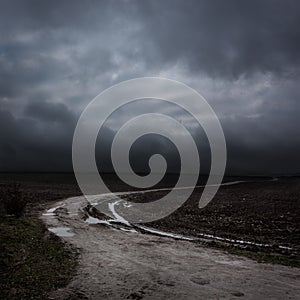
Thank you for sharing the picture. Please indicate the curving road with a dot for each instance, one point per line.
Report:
(126, 264)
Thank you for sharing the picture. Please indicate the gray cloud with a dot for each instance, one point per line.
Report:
(29, 144)
(242, 56)
(228, 38)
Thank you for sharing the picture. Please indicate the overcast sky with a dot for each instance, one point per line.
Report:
(242, 56)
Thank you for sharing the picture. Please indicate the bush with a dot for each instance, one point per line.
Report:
(13, 200)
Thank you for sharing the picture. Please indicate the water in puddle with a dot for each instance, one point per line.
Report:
(62, 231)
(91, 220)
(229, 262)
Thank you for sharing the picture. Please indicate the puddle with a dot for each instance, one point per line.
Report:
(128, 230)
(163, 233)
(62, 231)
(91, 220)
(229, 262)
(118, 218)
(214, 237)
(51, 211)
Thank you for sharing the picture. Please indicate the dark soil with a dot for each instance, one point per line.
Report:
(263, 212)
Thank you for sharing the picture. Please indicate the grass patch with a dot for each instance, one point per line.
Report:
(32, 260)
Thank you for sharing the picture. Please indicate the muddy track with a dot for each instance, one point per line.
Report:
(116, 264)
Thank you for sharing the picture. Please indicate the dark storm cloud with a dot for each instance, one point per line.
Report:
(226, 38)
(49, 112)
(243, 56)
(41, 141)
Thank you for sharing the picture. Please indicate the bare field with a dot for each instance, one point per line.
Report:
(257, 218)
(259, 210)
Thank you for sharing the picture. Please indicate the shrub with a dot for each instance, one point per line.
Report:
(13, 200)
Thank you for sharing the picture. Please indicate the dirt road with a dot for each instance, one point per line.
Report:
(125, 264)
